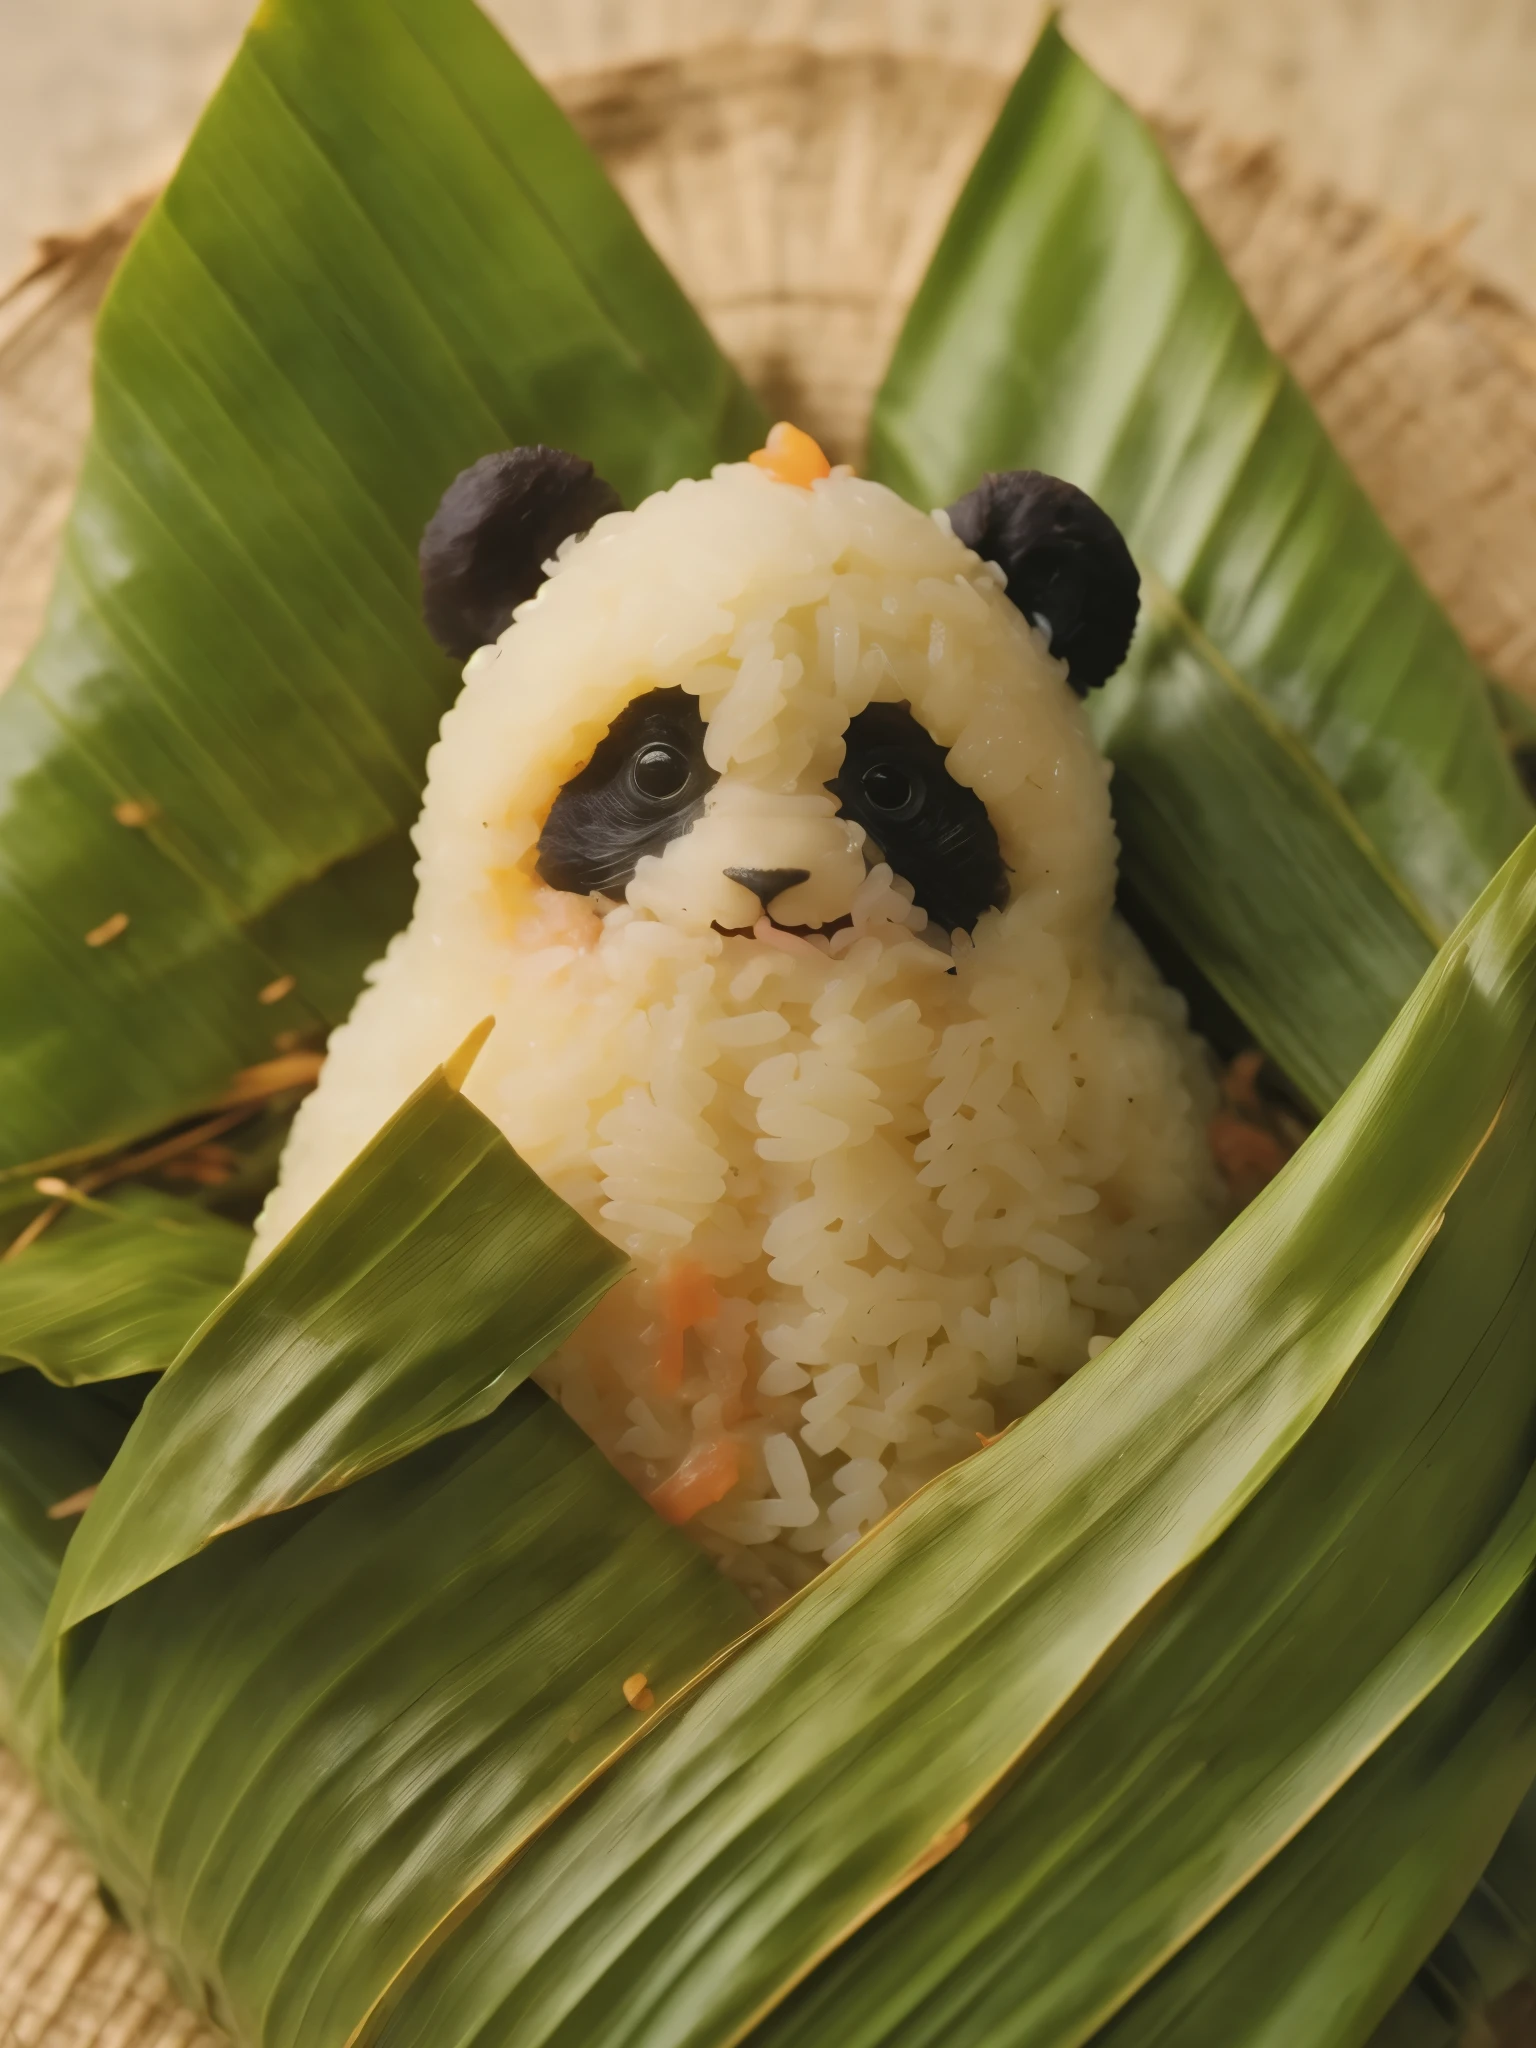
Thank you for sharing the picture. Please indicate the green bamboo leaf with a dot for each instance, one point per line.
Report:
(1316, 1949)
(344, 1622)
(117, 1288)
(54, 1445)
(1076, 318)
(435, 1275)
(294, 1757)
(846, 1744)
(1300, 931)
(1486, 1951)
(1398, 1532)
(384, 254)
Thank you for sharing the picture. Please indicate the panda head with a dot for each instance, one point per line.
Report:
(726, 709)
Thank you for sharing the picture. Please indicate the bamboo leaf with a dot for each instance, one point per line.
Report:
(825, 1764)
(296, 1755)
(54, 1446)
(1077, 319)
(1243, 851)
(352, 1612)
(1316, 1949)
(117, 1288)
(435, 1276)
(1487, 1950)
(384, 254)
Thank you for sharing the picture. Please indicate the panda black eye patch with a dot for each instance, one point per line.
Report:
(933, 831)
(644, 786)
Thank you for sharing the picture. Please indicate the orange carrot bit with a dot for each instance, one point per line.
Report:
(1239, 1084)
(109, 929)
(793, 457)
(1247, 1157)
(706, 1475)
(687, 1297)
(72, 1504)
(638, 1694)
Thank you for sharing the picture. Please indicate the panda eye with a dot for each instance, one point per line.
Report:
(894, 791)
(644, 785)
(660, 770)
(934, 832)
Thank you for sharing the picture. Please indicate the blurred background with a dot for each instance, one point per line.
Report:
(1422, 107)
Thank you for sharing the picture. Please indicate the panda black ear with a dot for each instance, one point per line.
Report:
(1065, 562)
(484, 548)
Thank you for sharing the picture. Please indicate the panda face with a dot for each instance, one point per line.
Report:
(691, 805)
(648, 783)
(731, 725)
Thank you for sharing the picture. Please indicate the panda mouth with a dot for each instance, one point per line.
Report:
(791, 931)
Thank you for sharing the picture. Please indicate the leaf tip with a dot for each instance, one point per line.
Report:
(457, 1065)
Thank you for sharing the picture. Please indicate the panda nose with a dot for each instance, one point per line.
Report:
(766, 883)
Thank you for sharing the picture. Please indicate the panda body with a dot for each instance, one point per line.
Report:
(883, 1184)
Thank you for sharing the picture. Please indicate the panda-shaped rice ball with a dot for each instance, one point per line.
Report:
(771, 832)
